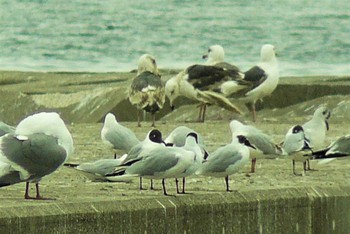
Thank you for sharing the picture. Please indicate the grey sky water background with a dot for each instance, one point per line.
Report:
(311, 37)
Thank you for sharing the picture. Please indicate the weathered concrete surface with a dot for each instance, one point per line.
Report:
(272, 200)
(86, 97)
(294, 210)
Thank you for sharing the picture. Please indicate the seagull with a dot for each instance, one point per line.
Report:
(147, 90)
(96, 171)
(159, 162)
(296, 145)
(191, 144)
(117, 136)
(316, 128)
(227, 160)
(152, 140)
(259, 139)
(261, 80)
(338, 148)
(178, 136)
(202, 82)
(40, 144)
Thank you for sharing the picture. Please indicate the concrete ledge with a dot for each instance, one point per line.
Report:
(86, 97)
(294, 210)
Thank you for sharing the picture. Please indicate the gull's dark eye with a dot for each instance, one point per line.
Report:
(154, 61)
(324, 112)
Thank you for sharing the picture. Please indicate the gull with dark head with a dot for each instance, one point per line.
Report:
(296, 145)
(227, 160)
(191, 144)
(40, 144)
(256, 137)
(158, 162)
(147, 90)
(152, 140)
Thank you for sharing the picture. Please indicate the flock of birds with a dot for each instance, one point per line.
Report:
(212, 83)
(41, 143)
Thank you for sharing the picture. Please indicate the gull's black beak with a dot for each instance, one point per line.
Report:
(205, 56)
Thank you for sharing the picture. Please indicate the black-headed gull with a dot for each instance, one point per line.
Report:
(227, 160)
(153, 139)
(159, 162)
(256, 137)
(296, 145)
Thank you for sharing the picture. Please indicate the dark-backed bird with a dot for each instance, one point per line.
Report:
(147, 90)
(40, 144)
(259, 81)
(202, 82)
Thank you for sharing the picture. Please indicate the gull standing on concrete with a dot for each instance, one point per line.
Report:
(297, 146)
(316, 128)
(191, 144)
(261, 80)
(117, 136)
(160, 162)
(147, 90)
(227, 160)
(202, 82)
(40, 144)
(256, 137)
(179, 137)
(152, 140)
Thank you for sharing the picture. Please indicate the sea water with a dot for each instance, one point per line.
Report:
(311, 37)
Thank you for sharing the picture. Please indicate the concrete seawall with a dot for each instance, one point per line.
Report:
(272, 200)
(86, 97)
(302, 210)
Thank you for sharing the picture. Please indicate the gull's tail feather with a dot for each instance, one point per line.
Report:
(217, 99)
